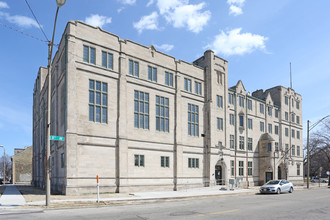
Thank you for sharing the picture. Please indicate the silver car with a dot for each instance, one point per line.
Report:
(277, 186)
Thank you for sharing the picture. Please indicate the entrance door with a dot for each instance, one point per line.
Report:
(269, 176)
(218, 175)
(279, 173)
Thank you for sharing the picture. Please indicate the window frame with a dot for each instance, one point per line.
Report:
(162, 113)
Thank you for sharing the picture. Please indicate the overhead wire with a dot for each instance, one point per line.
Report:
(21, 32)
(35, 18)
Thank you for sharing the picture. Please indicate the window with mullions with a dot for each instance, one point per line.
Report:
(262, 108)
(270, 128)
(220, 124)
(141, 109)
(276, 129)
(152, 74)
(250, 125)
(249, 168)
(241, 101)
(241, 142)
(270, 110)
(107, 60)
(193, 120)
(250, 144)
(298, 151)
(231, 119)
(169, 79)
(164, 161)
(193, 162)
(293, 150)
(162, 114)
(276, 146)
(198, 88)
(241, 168)
(262, 126)
(187, 85)
(133, 68)
(249, 104)
(232, 141)
(298, 169)
(231, 98)
(89, 54)
(138, 160)
(98, 101)
(219, 101)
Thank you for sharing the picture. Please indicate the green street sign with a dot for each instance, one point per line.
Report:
(56, 138)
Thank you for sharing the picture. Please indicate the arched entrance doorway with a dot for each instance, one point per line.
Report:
(218, 175)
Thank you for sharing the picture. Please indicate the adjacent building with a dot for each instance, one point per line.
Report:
(143, 120)
(22, 166)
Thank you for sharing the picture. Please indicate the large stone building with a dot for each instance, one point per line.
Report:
(143, 120)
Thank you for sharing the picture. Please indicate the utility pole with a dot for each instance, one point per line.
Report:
(49, 67)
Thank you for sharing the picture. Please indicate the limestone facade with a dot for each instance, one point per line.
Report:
(143, 120)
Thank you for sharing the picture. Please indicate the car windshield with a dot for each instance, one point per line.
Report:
(273, 182)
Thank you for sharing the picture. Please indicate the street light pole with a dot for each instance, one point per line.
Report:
(4, 164)
(50, 52)
(308, 163)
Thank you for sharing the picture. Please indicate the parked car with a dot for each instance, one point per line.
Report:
(277, 186)
(1, 181)
(317, 179)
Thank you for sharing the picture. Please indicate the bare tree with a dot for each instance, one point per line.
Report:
(8, 166)
(320, 150)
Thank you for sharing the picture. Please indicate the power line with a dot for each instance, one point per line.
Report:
(35, 18)
(21, 32)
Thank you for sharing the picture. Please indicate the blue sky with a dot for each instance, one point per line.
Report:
(258, 38)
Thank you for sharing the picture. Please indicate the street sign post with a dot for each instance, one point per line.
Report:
(56, 138)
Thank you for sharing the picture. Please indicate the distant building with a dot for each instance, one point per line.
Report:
(22, 166)
(143, 120)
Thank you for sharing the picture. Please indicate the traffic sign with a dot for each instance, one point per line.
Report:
(56, 138)
(328, 173)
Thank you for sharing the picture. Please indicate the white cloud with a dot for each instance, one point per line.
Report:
(19, 20)
(150, 3)
(3, 5)
(235, 7)
(127, 2)
(235, 43)
(166, 6)
(234, 10)
(120, 9)
(180, 14)
(236, 2)
(97, 20)
(164, 47)
(148, 22)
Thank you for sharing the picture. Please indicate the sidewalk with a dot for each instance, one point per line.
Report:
(11, 198)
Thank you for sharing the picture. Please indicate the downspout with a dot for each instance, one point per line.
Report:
(247, 138)
(235, 122)
(175, 156)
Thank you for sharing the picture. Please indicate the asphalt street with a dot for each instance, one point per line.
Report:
(303, 204)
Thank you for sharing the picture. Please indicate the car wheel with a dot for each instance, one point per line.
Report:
(278, 191)
(291, 190)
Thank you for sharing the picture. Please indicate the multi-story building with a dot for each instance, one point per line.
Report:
(141, 119)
